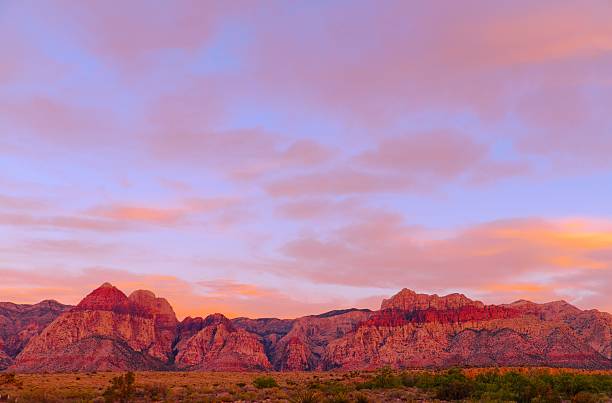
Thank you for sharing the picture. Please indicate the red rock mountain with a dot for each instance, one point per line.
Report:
(109, 331)
(219, 346)
(105, 331)
(19, 323)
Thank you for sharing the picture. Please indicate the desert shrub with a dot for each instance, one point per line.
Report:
(156, 391)
(306, 396)
(493, 385)
(586, 397)
(384, 379)
(330, 388)
(121, 389)
(263, 382)
(453, 385)
(38, 396)
(241, 384)
(337, 398)
(361, 398)
(8, 379)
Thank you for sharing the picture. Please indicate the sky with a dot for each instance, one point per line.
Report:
(284, 158)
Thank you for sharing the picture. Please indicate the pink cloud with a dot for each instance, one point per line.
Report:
(130, 35)
(60, 222)
(383, 251)
(240, 154)
(441, 57)
(442, 153)
(188, 299)
(139, 214)
(55, 121)
(21, 203)
(179, 213)
(338, 182)
(312, 208)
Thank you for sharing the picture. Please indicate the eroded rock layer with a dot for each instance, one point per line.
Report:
(108, 330)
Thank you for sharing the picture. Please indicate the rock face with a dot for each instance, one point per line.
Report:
(133, 333)
(416, 330)
(19, 323)
(305, 344)
(5, 360)
(109, 331)
(219, 346)
(408, 300)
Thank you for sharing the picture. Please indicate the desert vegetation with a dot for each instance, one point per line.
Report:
(384, 385)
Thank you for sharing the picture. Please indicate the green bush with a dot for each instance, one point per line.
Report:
(453, 385)
(492, 385)
(586, 397)
(384, 379)
(121, 389)
(264, 382)
(157, 392)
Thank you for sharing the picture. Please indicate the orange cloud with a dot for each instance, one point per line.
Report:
(139, 213)
(60, 222)
(382, 251)
(188, 299)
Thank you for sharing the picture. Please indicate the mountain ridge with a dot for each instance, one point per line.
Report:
(109, 330)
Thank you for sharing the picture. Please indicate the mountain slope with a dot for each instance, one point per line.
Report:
(108, 330)
(106, 323)
(20, 322)
(418, 330)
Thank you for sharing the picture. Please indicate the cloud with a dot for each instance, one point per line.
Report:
(50, 119)
(21, 203)
(238, 154)
(130, 36)
(139, 214)
(118, 216)
(383, 251)
(342, 181)
(187, 298)
(318, 207)
(438, 154)
(60, 222)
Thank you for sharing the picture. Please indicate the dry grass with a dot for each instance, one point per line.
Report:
(208, 387)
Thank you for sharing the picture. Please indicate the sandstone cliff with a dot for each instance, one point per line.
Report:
(219, 346)
(19, 323)
(108, 324)
(109, 331)
(416, 330)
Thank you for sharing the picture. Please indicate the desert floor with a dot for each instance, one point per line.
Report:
(356, 386)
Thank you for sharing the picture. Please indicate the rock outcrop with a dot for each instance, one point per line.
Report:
(20, 322)
(106, 323)
(109, 331)
(5, 360)
(302, 348)
(219, 346)
(408, 300)
(416, 330)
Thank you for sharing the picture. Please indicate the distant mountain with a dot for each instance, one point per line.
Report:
(20, 322)
(108, 330)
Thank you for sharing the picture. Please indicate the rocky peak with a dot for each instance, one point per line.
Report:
(146, 302)
(217, 319)
(104, 298)
(408, 300)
